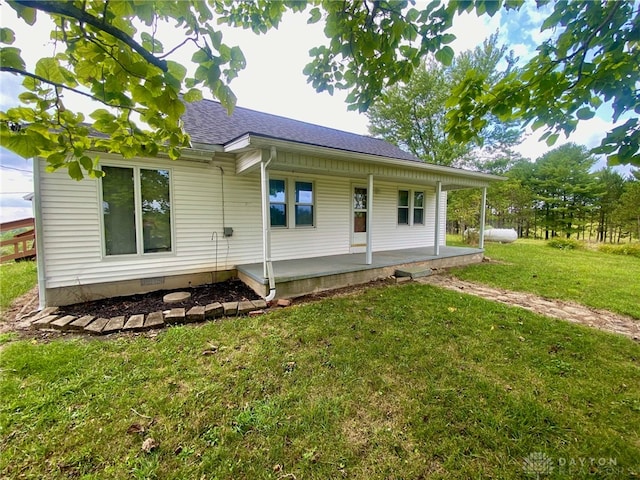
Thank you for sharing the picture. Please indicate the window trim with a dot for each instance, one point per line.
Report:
(285, 203)
(411, 208)
(137, 201)
(414, 208)
(312, 204)
(290, 202)
(406, 207)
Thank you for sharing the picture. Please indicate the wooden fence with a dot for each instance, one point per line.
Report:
(23, 244)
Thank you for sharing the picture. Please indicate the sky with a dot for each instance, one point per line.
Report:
(273, 82)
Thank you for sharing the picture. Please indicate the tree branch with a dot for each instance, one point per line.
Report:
(69, 10)
(17, 71)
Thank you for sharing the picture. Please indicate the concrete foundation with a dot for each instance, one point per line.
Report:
(301, 277)
(60, 296)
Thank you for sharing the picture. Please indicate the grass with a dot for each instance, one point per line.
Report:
(589, 277)
(408, 381)
(16, 278)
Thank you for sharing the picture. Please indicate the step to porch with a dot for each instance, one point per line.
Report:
(413, 272)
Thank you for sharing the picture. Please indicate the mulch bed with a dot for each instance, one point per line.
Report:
(229, 291)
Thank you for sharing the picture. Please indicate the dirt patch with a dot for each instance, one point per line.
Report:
(569, 311)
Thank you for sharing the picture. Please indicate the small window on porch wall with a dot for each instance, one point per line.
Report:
(418, 208)
(278, 203)
(304, 204)
(403, 207)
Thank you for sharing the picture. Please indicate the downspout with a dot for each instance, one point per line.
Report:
(267, 267)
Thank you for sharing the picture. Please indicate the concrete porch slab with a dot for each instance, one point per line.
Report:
(309, 275)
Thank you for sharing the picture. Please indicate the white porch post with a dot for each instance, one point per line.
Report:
(369, 255)
(436, 229)
(266, 220)
(483, 207)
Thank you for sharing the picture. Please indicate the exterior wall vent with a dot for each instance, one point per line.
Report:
(152, 281)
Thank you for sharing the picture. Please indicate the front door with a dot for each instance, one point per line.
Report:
(359, 205)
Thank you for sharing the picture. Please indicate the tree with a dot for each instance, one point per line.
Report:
(628, 210)
(565, 189)
(412, 115)
(108, 52)
(593, 58)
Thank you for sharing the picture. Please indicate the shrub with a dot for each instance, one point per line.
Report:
(632, 249)
(565, 244)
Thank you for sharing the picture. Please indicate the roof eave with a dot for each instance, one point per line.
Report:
(250, 140)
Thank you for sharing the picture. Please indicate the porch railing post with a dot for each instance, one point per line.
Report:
(369, 255)
(483, 209)
(436, 231)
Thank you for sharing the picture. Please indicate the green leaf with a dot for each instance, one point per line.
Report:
(193, 95)
(314, 15)
(20, 143)
(492, 7)
(585, 113)
(445, 55)
(10, 57)
(551, 139)
(7, 36)
(86, 163)
(28, 14)
(75, 171)
(49, 69)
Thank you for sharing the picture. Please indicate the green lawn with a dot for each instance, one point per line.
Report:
(407, 381)
(592, 278)
(16, 278)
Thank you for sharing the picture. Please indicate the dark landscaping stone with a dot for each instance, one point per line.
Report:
(81, 323)
(259, 304)
(43, 322)
(196, 314)
(175, 315)
(62, 323)
(96, 326)
(135, 322)
(213, 310)
(154, 320)
(230, 308)
(245, 307)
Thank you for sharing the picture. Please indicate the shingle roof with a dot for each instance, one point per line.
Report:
(207, 122)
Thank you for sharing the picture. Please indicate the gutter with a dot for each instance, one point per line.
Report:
(267, 269)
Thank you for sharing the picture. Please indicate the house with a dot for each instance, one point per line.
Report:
(287, 206)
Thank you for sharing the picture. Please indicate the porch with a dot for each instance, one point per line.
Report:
(308, 275)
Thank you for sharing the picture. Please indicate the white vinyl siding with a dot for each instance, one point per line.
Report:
(72, 236)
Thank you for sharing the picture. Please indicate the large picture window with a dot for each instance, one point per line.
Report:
(410, 207)
(136, 210)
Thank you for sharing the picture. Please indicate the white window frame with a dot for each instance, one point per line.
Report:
(137, 199)
(414, 208)
(285, 203)
(411, 207)
(312, 204)
(290, 202)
